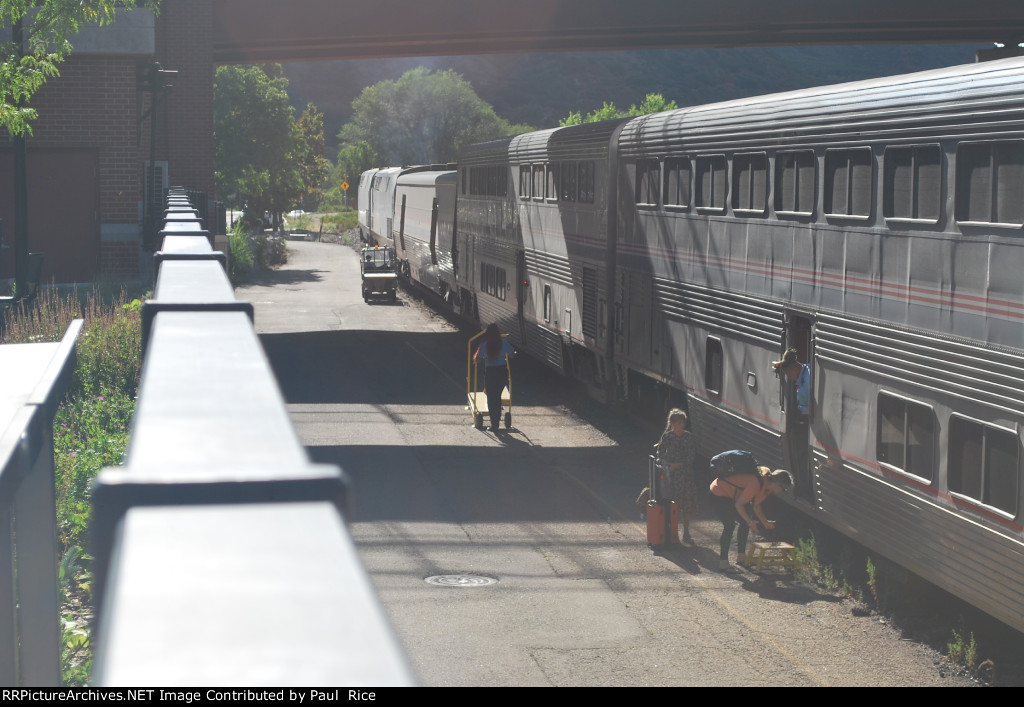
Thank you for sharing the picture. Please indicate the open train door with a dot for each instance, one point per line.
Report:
(799, 334)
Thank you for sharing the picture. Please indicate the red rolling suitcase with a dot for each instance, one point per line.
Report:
(662, 516)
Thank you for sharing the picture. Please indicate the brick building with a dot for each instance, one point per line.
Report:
(95, 136)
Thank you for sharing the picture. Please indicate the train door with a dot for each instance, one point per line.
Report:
(433, 233)
(401, 230)
(522, 293)
(799, 334)
(640, 327)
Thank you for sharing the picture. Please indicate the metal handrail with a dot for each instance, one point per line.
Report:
(222, 553)
(36, 378)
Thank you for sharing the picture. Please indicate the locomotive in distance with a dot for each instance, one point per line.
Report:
(875, 227)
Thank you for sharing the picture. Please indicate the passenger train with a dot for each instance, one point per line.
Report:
(874, 226)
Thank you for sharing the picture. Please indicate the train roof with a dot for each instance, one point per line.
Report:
(427, 178)
(586, 141)
(951, 99)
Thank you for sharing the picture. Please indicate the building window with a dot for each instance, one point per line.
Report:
(648, 177)
(984, 463)
(710, 182)
(713, 366)
(750, 183)
(794, 182)
(677, 181)
(848, 182)
(913, 183)
(990, 182)
(906, 436)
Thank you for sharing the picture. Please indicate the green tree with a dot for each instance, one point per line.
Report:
(424, 117)
(46, 26)
(265, 159)
(352, 161)
(652, 103)
(309, 158)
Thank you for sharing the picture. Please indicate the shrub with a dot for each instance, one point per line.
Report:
(240, 257)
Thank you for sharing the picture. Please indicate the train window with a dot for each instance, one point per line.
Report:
(648, 177)
(913, 183)
(547, 303)
(906, 436)
(984, 463)
(677, 181)
(848, 182)
(794, 182)
(524, 181)
(710, 182)
(538, 181)
(713, 366)
(551, 186)
(990, 182)
(492, 280)
(586, 183)
(567, 182)
(750, 183)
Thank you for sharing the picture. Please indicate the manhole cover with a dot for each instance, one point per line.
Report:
(460, 580)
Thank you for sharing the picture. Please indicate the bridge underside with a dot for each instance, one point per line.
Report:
(307, 30)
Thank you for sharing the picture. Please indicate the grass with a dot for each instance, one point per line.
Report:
(241, 259)
(341, 220)
(963, 649)
(90, 431)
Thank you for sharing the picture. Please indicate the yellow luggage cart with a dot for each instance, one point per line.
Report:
(478, 398)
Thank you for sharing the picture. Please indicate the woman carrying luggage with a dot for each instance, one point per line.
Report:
(737, 493)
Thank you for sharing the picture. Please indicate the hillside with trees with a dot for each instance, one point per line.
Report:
(543, 89)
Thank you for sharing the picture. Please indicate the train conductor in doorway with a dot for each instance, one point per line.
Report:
(494, 351)
(798, 376)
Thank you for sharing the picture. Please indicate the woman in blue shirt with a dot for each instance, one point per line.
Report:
(494, 350)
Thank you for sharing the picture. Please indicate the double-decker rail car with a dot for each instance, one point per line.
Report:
(876, 227)
(533, 233)
(424, 214)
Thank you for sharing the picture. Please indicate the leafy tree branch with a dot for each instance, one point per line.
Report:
(47, 28)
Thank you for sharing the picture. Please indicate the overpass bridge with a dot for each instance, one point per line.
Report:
(189, 354)
(248, 31)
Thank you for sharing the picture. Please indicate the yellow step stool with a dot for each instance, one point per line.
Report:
(765, 554)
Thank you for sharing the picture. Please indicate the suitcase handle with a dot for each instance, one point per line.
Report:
(652, 475)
